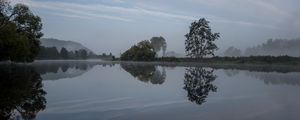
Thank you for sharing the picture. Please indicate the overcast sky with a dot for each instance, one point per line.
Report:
(115, 25)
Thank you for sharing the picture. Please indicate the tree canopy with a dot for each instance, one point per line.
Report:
(20, 31)
(200, 39)
(158, 44)
(143, 51)
(51, 53)
(64, 53)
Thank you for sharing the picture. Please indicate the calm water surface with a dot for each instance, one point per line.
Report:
(69, 90)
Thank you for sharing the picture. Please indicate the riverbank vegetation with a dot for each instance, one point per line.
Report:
(20, 31)
(143, 51)
(282, 60)
(52, 53)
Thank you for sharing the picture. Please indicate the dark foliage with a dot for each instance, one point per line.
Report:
(198, 83)
(52, 53)
(21, 92)
(276, 60)
(168, 59)
(20, 31)
(200, 39)
(145, 73)
(64, 53)
(143, 51)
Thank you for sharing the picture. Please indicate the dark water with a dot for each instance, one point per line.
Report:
(60, 90)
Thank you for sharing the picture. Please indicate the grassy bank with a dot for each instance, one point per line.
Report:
(279, 60)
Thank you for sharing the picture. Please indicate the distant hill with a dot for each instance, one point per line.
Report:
(69, 45)
(276, 47)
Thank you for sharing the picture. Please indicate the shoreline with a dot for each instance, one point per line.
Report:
(283, 68)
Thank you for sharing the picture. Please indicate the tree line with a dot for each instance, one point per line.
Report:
(276, 47)
(50, 53)
(272, 47)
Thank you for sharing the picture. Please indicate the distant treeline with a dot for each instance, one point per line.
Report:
(276, 47)
(51, 53)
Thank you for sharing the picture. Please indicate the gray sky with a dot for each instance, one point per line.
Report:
(115, 25)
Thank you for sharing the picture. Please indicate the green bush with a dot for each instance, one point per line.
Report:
(143, 51)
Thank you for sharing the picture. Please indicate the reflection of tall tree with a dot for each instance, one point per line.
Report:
(158, 76)
(198, 83)
(146, 73)
(21, 92)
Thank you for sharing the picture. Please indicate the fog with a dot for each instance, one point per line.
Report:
(115, 25)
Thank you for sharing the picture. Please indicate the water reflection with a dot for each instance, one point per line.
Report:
(21, 94)
(146, 72)
(275, 78)
(231, 72)
(55, 70)
(259, 68)
(199, 83)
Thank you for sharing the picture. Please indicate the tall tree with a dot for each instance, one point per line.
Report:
(52, 53)
(20, 31)
(64, 53)
(200, 39)
(83, 54)
(158, 44)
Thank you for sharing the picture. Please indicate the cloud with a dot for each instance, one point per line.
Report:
(97, 9)
(119, 1)
(268, 6)
(71, 10)
(71, 16)
(126, 14)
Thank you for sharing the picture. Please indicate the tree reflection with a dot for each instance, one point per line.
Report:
(21, 93)
(146, 73)
(198, 83)
(276, 78)
(56, 70)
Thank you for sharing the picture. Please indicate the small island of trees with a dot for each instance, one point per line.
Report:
(198, 44)
(146, 50)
